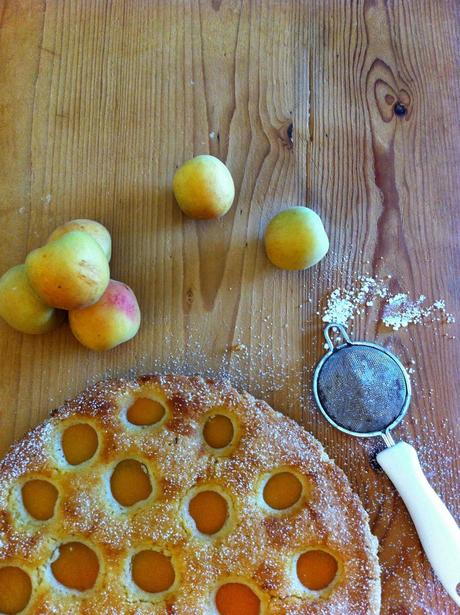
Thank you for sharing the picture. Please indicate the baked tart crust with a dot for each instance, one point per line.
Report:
(256, 544)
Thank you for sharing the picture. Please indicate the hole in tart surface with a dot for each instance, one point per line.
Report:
(79, 443)
(316, 569)
(237, 599)
(77, 566)
(209, 510)
(282, 490)
(39, 498)
(15, 589)
(130, 482)
(152, 571)
(145, 412)
(218, 431)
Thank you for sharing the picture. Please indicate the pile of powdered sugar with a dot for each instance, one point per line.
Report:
(397, 310)
(401, 311)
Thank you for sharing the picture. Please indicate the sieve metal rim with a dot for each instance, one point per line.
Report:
(348, 342)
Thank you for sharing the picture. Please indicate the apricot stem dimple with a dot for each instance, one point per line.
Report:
(218, 431)
(77, 566)
(130, 482)
(209, 510)
(236, 599)
(316, 569)
(39, 498)
(152, 571)
(282, 490)
(79, 443)
(15, 589)
(145, 411)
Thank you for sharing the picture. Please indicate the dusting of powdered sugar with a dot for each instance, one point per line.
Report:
(343, 304)
(398, 310)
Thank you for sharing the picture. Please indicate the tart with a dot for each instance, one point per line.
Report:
(181, 496)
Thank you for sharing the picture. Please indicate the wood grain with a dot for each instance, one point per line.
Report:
(100, 102)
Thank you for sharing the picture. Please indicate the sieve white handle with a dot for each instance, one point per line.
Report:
(437, 530)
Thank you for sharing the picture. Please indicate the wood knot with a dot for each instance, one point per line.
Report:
(189, 296)
(286, 134)
(400, 109)
(391, 102)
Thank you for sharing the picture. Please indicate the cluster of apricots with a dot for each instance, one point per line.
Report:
(71, 271)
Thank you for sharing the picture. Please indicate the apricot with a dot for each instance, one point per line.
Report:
(114, 319)
(295, 239)
(70, 272)
(209, 510)
(203, 187)
(282, 490)
(152, 571)
(79, 443)
(39, 498)
(236, 599)
(92, 227)
(218, 431)
(145, 411)
(130, 482)
(316, 569)
(15, 589)
(22, 308)
(76, 567)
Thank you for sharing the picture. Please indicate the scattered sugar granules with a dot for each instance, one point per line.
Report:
(344, 303)
(401, 311)
(398, 310)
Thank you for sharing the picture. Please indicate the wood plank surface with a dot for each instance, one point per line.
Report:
(100, 102)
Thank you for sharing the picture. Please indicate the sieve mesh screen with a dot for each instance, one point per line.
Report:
(362, 388)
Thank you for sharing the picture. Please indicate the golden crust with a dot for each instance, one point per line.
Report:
(259, 546)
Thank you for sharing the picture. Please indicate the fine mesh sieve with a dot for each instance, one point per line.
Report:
(364, 390)
(361, 388)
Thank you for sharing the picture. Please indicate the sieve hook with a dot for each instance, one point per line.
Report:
(343, 333)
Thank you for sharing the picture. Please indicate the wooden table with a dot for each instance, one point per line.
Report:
(100, 102)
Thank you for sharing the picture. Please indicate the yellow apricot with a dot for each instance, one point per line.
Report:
(22, 308)
(295, 239)
(203, 187)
